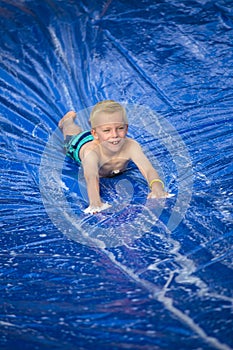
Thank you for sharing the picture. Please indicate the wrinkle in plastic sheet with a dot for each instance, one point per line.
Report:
(165, 287)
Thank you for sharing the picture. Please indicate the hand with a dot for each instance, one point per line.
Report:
(161, 194)
(94, 210)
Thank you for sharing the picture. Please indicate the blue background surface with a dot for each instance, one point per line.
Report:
(160, 288)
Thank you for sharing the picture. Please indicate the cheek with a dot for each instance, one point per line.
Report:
(102, 137)
(96, 135)
(123, 133)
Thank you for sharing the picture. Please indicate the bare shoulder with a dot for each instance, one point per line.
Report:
(132, 145)
(136, 154)
(90, 151)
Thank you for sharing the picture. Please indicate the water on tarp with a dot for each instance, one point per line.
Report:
(142, 275)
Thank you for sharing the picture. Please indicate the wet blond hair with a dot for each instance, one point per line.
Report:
(107, 106)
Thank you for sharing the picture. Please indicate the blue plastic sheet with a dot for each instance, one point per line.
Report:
(143, 275)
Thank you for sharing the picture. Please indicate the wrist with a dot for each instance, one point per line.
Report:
(156, 181)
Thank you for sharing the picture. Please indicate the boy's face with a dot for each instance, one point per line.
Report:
(110, 130)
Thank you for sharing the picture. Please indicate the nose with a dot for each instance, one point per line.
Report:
(114, 133)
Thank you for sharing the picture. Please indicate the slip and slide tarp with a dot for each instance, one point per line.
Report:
(143, 274)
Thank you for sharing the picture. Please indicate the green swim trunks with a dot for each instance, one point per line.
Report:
(73, 144)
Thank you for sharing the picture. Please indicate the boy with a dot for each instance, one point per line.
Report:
(105, 151)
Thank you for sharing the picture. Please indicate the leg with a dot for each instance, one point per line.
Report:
(68, 126)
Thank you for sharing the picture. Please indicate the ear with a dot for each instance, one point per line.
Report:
(94, 134)
(127, 126)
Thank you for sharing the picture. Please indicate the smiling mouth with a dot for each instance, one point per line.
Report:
(115, 142)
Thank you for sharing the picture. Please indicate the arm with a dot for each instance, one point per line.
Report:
(91, 174)
(147, 170)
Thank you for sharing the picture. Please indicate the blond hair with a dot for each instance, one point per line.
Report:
(107, 106)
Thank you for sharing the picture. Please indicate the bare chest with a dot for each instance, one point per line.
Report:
(112, 167)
